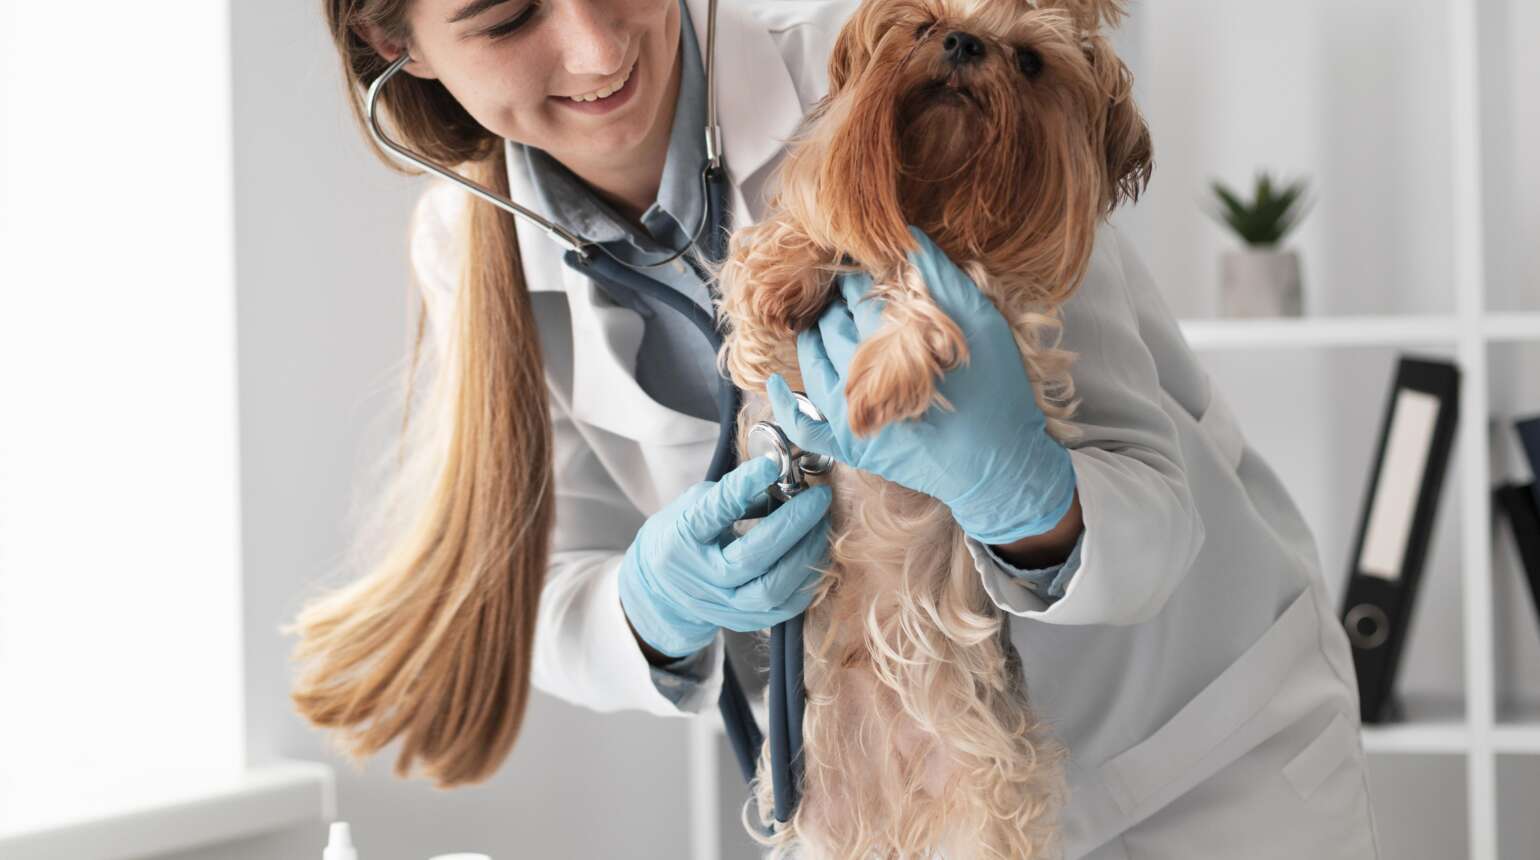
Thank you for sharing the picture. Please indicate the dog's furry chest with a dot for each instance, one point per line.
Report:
(890, 547)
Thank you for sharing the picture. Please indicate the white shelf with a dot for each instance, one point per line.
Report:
(1511, 326)
(1517, 738)
(161, 813)
(1517, 729)
(1305, 332)
(1354, 331)
(1421, 738)
(1432, 725)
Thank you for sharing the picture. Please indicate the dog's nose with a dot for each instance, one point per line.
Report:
(962, 48)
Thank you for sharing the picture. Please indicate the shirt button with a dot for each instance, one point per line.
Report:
(679, 266)
(670, 681)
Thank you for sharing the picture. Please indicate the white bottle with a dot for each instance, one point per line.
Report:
(339, 843)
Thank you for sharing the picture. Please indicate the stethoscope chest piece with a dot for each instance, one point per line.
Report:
(766, 438)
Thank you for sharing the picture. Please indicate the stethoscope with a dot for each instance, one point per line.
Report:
(787, 699)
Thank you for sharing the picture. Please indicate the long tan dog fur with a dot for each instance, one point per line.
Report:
(920, 739)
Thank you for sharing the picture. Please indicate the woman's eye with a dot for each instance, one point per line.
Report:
(514, 23)
(1029, 61)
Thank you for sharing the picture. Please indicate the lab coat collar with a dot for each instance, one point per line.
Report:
(758, 110)
(757, 105)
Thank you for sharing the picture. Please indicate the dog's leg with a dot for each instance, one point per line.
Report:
(775, 283)
(894, 372)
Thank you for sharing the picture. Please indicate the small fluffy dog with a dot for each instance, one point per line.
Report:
(1006, 130)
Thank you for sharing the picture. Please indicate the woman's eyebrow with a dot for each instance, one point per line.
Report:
(474, 8)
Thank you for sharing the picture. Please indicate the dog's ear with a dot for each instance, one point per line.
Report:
(1090, 15)
(851, 51)
(1125, 137)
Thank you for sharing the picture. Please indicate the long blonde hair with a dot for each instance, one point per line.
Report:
(432, 643)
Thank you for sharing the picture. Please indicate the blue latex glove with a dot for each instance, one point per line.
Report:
(990, 460)
(686, 573)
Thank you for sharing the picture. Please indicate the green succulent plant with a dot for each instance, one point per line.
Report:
(1264, 220)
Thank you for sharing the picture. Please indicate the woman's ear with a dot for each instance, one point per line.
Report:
(390, 49)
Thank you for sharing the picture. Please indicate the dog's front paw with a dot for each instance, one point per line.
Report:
(893, 373)
(776, 279)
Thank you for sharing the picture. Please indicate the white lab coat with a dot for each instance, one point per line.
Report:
(1195, 667)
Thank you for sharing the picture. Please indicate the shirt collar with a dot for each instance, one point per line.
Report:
(753, 129)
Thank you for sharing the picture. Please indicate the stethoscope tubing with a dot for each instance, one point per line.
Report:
(786, 691)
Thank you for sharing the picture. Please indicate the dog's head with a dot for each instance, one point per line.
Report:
(1003, 128)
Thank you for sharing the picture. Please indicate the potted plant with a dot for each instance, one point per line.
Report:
(1260, 279)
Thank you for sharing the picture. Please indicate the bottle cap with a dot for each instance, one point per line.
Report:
(339, 843)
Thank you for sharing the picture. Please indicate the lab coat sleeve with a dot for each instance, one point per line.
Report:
(1142, 528)
(1046, 582)
(585, 652)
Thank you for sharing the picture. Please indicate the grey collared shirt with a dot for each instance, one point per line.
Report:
(674, 364)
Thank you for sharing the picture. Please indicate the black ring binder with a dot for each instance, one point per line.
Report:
(1397, 523)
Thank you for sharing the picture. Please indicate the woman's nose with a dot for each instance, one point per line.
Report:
(594, 40)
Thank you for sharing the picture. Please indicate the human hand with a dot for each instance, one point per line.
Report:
(989, 459)
(687, 573)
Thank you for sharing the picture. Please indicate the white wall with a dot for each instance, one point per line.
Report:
(322, 300)
(1355, 95)
(118, 461)
(1510, 108)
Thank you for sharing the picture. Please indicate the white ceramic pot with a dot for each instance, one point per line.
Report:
(1259, 282)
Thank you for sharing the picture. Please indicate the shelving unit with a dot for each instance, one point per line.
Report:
(1472, 322)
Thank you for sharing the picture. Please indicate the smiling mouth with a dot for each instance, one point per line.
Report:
(608, 89)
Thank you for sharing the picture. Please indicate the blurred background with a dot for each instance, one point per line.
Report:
(204, 306)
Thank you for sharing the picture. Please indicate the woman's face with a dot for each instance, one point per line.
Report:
(515, 65)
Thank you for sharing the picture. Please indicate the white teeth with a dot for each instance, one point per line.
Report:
(604, 92)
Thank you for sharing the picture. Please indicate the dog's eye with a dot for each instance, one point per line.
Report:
(1029, 61)
(924, 29)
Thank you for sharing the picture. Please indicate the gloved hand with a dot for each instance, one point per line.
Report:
(991, 460)
(687, 573)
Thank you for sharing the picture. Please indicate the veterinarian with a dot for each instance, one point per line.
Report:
(1160, 585)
